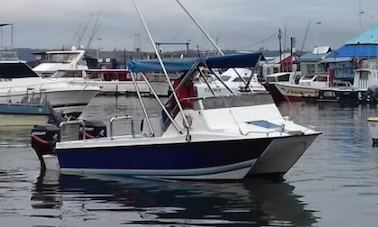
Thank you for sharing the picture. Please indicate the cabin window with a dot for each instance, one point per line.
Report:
(308, 77)
(62, 58)
(321, 79)
(284, 77)
(271, 79)
(238, 79)
(225, 78)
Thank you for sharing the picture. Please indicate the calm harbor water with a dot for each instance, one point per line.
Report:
(334, 184)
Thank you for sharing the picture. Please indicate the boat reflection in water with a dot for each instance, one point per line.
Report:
(146, 202)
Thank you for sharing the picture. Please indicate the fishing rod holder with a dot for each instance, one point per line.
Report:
(121, 118)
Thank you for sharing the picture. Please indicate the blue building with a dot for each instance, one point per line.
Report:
(343, 61)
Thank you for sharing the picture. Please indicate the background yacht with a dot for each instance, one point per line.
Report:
(19, 80)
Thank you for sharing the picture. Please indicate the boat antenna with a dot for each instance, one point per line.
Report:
(186, 124)
(208, 37)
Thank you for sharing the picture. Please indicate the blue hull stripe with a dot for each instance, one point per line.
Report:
(179, 156)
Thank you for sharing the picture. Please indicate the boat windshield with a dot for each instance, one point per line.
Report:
(238, 79)
(67, 74)
(342, 84)
(307, 77)
(61, 57)
(285, 77)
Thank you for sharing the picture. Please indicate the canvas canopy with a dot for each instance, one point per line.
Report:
(182, 65)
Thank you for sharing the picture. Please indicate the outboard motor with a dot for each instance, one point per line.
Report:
(93, 129)
(44, 138)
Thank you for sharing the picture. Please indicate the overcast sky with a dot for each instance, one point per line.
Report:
(236, 24)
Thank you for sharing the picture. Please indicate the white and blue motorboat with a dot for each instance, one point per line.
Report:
(204, 138)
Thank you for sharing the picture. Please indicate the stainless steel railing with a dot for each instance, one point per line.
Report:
(121, 118)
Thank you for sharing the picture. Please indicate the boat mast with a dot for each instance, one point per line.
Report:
(186, 124)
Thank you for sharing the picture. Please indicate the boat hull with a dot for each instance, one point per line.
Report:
(56, 99)
(336, 95)
(221, 160)
(295, 93)
(227, 160)
(58, 93)
(282, 154)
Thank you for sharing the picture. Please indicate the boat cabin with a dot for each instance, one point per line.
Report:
(52, 61)
(365, 78)
(315, 80)
(292, 77)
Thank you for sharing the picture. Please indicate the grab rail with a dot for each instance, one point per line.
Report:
(74, 122)
(120, 118)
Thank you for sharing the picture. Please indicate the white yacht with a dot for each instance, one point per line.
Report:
(20, 80)
(71, 66)
(52, 61)
(110, 81)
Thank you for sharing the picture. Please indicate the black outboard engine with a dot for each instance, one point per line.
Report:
(93, 129)
(44, 138)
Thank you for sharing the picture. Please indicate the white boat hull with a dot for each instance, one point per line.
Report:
(294, 92)
(60, 94)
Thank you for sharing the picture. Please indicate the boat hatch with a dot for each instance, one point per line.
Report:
(264, 124)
